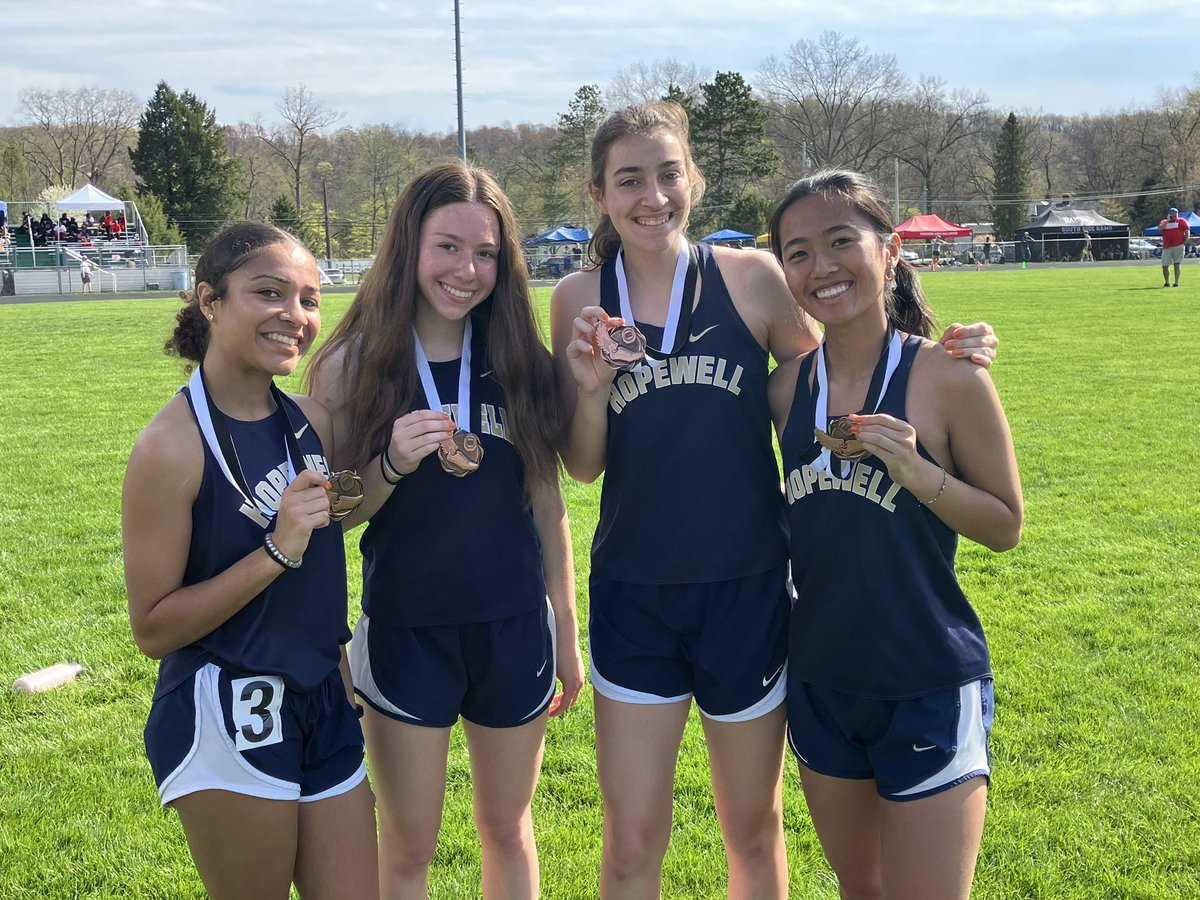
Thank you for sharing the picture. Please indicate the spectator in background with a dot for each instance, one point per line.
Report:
(1174, 235)
(85, 274)
(1026, 249)
(1086, 256)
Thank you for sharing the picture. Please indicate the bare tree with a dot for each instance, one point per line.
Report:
(936, 125)
(1180, 112)
(303, 117)
(639, 82)
(1050, 150)
(84, 133)
(832, 101)
(259, 180)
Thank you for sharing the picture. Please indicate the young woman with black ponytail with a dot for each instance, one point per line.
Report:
(890, 451)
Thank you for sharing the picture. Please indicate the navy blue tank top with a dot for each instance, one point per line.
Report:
(444, 550)
(880, 613)
(293, 628)
(691, 484)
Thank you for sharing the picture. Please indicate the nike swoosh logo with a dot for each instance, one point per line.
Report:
(770, 677)
(541, 668)
(692, 338)
(487, 373)
(917, 749)
(300, 433)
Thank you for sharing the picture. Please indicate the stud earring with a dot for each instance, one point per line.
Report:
(210, 317)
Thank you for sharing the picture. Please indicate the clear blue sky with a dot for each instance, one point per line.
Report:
(393, 62)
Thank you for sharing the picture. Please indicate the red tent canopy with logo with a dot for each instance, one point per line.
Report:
(925, 228)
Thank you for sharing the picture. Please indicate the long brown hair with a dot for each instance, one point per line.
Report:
(645, 119)
(375, 335)
(904, 302)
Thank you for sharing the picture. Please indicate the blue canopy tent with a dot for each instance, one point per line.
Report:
(727, 235)
(1188, 216)
(548, 262)
(563, 234)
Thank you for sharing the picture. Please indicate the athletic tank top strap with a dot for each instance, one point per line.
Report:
(444, 550)
(691, 484)
(294, 627)
(879, 610)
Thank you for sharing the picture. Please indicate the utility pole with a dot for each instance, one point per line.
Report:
(462, 134)
(324, 167)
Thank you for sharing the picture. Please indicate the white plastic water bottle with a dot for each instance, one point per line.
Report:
(47, 678)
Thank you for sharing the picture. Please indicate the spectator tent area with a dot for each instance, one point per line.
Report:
(1058, 234)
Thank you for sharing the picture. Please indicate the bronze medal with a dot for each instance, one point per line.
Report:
(460, 453)
(622, 347)
(345, 494)
(841, 441)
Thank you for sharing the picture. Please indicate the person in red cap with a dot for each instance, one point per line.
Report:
(1174, 236)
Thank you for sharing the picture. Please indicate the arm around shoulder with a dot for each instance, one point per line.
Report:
(762, 299)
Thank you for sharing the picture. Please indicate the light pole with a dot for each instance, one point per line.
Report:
(323, 169)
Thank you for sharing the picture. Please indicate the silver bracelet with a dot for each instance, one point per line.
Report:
(941, 490)
(276, 554)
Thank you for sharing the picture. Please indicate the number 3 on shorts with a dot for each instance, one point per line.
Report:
(256, 703)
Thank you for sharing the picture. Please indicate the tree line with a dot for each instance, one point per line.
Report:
(827, 101)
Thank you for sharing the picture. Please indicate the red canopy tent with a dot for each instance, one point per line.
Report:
(924, 228)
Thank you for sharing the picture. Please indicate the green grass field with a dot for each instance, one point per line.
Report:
(1092, 620)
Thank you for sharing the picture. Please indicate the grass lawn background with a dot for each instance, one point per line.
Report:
(1093, 620)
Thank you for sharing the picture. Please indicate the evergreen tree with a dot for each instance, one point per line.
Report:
(159, 227)
(1010, 166)
(285, 215)
(729, 145)
(569, 157)
(180, 157)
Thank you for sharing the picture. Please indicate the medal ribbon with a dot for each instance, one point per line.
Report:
(463, 420)
(214, 428)
(885, 367)
(678, 313)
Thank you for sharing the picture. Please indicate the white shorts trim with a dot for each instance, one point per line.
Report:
(360, 671)
(972, 756)
(213, 763)
(776, 696)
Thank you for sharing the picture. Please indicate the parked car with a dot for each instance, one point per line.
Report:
(1140, 249)
(332, 276)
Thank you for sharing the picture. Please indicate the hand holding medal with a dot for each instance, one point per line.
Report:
(621, 346)
(345, 492)
(460, 452)
(841, 440)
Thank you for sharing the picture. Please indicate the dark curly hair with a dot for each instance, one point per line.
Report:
(227, 252)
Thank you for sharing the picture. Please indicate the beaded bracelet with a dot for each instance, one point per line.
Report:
(941, 490)
(387, 469)
(276, 554)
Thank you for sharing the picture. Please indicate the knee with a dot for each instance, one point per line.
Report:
(634, 843)
(505, 835)
(752, 835)
(407, 845)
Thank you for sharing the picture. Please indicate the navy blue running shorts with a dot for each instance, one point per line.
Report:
(497, 674)
(724, 643)
(251, 735)
(912, 748)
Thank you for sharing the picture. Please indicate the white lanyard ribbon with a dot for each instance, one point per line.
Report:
(673, 311)
(203, 407)
(821, 412)
(463, 419)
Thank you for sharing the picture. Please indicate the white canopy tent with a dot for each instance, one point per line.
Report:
(90, 197)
